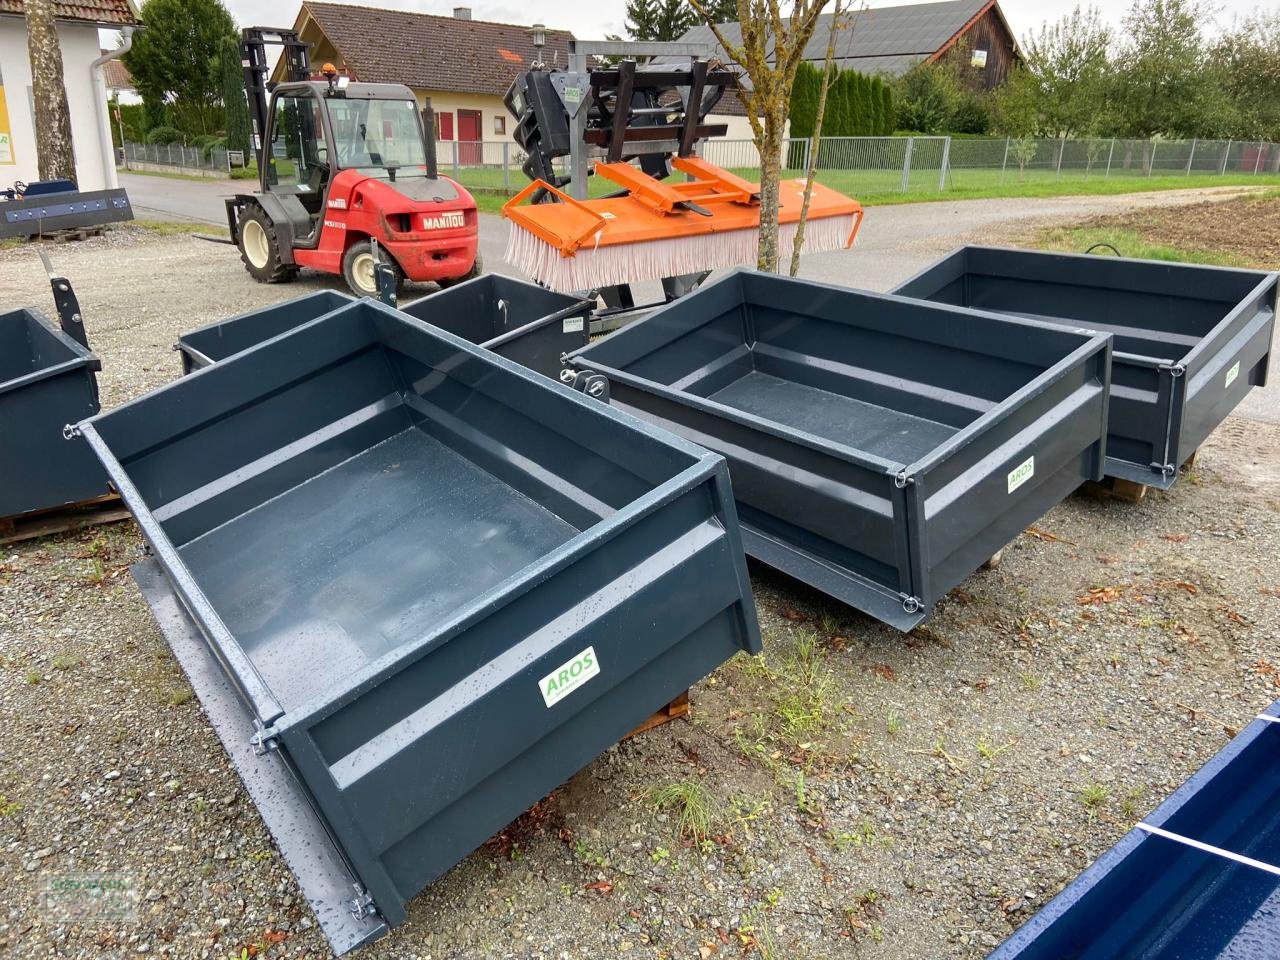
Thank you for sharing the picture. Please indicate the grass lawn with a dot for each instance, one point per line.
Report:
(880, 188)
(1132, 243)
(178, 228)
(1240, 232)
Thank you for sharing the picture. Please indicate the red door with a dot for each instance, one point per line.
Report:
(470, 149)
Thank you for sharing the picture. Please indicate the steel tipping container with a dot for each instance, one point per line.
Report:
(1190, 341)
(1199, 877)
(438, 584)
(226, 338)
(47, 380)
(519, 320)
(881, 449)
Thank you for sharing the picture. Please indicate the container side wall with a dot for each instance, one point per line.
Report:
(217, 341)
(1151, 896)
(1156, 898)
(17, 352)
(805, 512)
(234, 462)
(1223, 370)
(535, 438)
(983, 495)
(469, 733)
(39, 469)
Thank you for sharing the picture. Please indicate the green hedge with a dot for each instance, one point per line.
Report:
(164, 134)
(857, 106)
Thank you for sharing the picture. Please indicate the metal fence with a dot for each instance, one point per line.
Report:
(861, 165)
(869, 165)
(902, 164)
(214, 161)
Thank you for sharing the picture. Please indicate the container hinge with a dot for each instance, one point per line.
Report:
(910, 604)
(361, 905)
(264, 740)
(1174, 370)
(1164, 469)
(903, 480)
(591, 383)
(70, 431)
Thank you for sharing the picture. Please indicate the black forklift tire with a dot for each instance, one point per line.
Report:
(260, 248)
(357, 269)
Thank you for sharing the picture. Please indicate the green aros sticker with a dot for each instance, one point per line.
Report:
(569, 676)
(1022, 473)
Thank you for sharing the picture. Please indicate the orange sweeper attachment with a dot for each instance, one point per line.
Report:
(660, 228)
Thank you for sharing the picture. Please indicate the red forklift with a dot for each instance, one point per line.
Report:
(348, 178)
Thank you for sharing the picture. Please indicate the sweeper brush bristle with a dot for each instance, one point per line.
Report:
(592, 267)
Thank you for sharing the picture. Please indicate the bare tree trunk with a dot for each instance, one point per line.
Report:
(770, 173)
(53, 118)
(815, 141)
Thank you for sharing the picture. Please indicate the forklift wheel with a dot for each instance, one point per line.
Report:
(357, 269)
(260, 248)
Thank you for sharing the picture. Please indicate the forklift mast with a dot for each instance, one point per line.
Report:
(253, 58)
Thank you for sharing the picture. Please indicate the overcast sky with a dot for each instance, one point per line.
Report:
(591, 21)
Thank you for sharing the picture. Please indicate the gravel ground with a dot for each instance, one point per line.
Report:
(855, 793)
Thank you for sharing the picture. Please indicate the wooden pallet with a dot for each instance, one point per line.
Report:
(71, 516)
(1115, 488)
(71, 234)
(1130, 490)
(678, 707)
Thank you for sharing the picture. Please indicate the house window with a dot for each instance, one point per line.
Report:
(499, 124)
(444, 126)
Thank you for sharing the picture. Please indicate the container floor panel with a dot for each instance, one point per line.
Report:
(868, 427)
(364, 557)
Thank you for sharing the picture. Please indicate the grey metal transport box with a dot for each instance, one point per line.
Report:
(514, 318)
(439, 583)
(1190, 341)
(881, 449)
(47, 380)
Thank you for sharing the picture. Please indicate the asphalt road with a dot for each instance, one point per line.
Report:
(894, 242)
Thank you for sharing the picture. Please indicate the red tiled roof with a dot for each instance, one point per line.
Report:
(115, 12)
(429, 52)
(116, 75)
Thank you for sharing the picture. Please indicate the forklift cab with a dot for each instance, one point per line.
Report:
(316, 130)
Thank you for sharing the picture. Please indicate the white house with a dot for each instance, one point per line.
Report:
(82, 68)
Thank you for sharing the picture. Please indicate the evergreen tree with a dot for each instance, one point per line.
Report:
(155, 112)
(877, 107)
(661, 20)
(863, 123)
(847, 100)
(721, 11)
(237, 110)
(642, 19)
(804, 100)
(675, 17)
(804, 110)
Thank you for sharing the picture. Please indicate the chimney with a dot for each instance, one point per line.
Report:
(462, 13)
